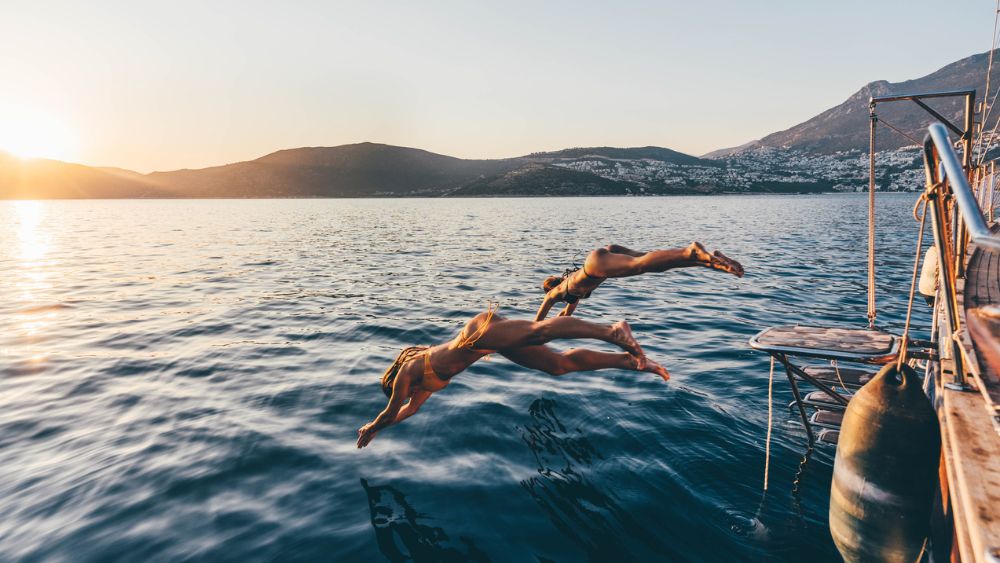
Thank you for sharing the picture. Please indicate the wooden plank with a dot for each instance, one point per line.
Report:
(970, 441)
(962, 545)
(974, 448)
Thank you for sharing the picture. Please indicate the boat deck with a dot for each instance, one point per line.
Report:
(969, 419)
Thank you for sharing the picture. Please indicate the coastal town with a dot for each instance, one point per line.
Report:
(761, 169)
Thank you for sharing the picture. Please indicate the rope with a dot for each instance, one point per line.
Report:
(840, 379)
(871, 220)
(767, 442)
(913, 282)
(470, 341)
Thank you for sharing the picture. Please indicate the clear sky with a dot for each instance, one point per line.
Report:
(186, 84)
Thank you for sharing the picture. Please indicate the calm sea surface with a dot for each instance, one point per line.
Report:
(184, 380)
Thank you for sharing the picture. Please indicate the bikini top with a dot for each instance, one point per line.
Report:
(572, 297)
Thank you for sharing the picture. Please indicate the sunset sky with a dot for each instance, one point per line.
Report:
(158, 86)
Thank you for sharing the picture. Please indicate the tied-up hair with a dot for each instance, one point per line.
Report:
(389, 377)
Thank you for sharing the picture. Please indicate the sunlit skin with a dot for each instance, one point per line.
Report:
(27, 132)
(522, 342)
(614, 261)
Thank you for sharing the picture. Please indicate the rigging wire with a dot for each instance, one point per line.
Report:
(982, 155)
(891, 126)
(987, 109)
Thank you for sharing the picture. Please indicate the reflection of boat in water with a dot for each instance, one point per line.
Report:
(892, 491)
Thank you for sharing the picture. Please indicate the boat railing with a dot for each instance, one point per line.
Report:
(971, 222)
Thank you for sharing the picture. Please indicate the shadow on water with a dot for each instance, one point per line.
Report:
(401, 536)
(592, 519)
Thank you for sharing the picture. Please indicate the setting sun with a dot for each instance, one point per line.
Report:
(31, 133)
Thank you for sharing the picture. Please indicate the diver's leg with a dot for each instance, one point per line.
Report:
(502, 334)
(545, 359)
(619, 249)
(656, 261)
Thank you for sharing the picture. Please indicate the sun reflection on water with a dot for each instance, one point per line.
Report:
(31, 277)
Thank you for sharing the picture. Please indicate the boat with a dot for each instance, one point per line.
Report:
(881, 499)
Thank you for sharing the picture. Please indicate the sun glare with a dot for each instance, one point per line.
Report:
(31, 133)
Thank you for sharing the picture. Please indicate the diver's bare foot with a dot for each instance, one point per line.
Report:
(724, 263)
(639, 362)
(699, 253)
(621, 333)
(653, 367)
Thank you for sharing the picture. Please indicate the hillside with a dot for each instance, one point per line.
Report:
(357, 170)
(845, 126)
(52, 179)
(612, 153)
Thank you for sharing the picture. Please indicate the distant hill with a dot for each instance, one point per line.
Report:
(52, 179)
(357, 170)
(845, 126)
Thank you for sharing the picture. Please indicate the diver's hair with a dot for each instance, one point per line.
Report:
(551, 282)
(389, 377)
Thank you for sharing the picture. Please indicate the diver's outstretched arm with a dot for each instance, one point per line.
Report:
(569, 309)
(411, 407)
(547, 303)
(386, 418)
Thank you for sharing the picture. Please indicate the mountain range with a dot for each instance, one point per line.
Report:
(829, 144)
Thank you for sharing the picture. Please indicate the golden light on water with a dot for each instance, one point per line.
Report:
(29, 132)
(32, 273)
(32, 245)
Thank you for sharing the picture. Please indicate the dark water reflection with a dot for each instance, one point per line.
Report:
(183, 380)
(601, 527)
(401, 536)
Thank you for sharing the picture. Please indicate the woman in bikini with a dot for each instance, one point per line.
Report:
(615, 261)
(418, 372)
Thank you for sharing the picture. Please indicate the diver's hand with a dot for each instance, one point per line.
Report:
(366, 434)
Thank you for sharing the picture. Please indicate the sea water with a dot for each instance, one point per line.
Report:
(184, 379)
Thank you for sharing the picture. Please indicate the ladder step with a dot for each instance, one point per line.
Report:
(819, 400)
(828, 436)
(853, 378)
(827, 419)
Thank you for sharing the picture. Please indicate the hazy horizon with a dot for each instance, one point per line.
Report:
(189, 86)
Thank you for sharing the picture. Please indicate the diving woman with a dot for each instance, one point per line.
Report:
(614, 261)
(418, 372)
